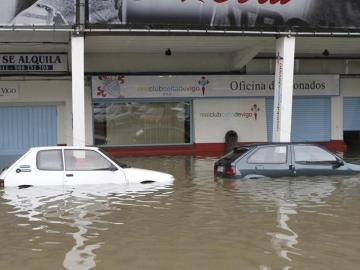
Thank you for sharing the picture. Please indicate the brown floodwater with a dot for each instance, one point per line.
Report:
(285, 223)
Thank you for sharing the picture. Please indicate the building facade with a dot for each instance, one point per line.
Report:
(173, 77)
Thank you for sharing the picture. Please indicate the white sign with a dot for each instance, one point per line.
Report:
(9, 90)
(33, 63)
(197, 86)
(214, 117)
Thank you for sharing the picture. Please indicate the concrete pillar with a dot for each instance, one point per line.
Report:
(78, 90)
(283, 89)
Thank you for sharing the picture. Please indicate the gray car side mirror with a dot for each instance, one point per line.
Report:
(338, 163)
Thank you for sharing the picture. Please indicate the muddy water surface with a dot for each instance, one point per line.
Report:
(299, 223)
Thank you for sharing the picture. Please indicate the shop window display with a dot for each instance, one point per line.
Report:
(136, 123)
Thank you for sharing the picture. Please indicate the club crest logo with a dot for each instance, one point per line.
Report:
(255, 109)
(203, 82)
(111, 86)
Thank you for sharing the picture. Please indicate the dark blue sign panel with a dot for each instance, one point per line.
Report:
(244, 14)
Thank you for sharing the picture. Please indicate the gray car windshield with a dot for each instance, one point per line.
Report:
(311, 154)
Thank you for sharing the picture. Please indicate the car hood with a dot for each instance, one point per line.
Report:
(354, 167)
(135, 175)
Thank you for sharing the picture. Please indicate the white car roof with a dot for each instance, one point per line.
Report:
(64, 147)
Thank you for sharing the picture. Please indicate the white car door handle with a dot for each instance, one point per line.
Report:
(69, 175)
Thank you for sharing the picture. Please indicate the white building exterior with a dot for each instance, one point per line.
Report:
(48, 65)
(56, 91)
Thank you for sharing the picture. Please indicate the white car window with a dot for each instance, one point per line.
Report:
(312, 153)
(269, 155)
(85, 160)
(49, 160)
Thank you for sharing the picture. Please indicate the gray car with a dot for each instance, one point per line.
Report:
(282, 159)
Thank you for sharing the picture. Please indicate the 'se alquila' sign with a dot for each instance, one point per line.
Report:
(33, 63)
(31, 59)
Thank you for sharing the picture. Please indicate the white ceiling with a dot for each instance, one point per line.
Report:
(307, 46)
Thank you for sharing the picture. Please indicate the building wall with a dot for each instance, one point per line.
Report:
(153, 63)
(214, 117)
(349, 87)
(57, 91)
(254, 131)
(50, 91)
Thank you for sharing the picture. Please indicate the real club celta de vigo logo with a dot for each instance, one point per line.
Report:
(255, 109)
(203, 83)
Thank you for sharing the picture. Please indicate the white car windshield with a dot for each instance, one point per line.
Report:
(121, 164)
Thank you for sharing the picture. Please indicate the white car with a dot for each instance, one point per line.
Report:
(62, 165)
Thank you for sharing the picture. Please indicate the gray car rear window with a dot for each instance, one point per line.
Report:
(269, 155)
(235, 154)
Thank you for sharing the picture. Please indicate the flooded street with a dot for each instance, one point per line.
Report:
(287, 223)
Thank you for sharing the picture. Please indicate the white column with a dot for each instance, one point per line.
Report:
(337, 111)
(283, 88)
(78, 90)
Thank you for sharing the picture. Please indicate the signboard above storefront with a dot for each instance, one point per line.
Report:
(37, 13)
(33, 63)
(197, 86)
(312, 15)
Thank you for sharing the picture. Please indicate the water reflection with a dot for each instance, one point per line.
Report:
(266, 224)
(284, 242)
(287, 195)
(83, 208)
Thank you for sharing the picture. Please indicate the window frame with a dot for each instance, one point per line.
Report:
(52, 170)
(146, 101)
(111, 168)
(270, 146)
(318, 162)
(236, 153)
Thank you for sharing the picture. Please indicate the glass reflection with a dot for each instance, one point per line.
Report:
(142, 123)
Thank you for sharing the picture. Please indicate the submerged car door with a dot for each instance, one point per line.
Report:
(84, 167)
(43, 167)
(311, 160)
(270, 161)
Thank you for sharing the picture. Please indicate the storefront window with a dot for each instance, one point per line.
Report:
(142, 123)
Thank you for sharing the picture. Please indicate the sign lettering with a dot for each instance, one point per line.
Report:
(195, 86)
(9, 90)
(32, 63)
